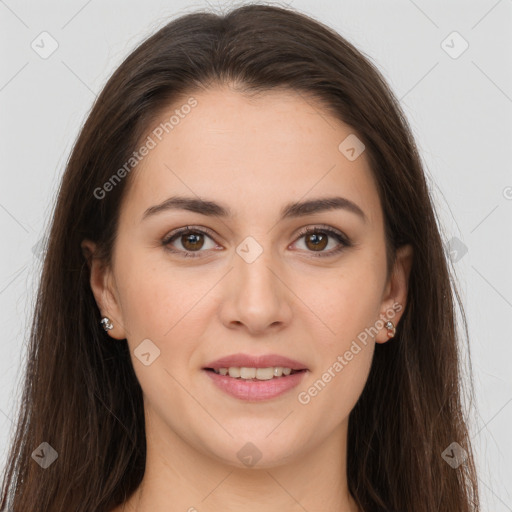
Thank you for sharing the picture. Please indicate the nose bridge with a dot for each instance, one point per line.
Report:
(258, 299)
(253, 263)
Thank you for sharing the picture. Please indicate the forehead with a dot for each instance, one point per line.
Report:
(253, 153)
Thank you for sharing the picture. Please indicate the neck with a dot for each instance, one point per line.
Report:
(180, 476)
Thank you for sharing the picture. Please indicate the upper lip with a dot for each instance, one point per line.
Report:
(261, 361)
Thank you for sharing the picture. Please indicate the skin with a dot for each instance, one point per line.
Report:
(253, 155)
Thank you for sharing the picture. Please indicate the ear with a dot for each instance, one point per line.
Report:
(395, 294)
(104, 290)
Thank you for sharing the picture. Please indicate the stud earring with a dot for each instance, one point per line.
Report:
(107, 324)
(391, 328)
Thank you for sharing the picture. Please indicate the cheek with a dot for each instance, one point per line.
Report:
(152, 295)
(337, 386)
(162, 303)
(349, 308)
(349, 305)
(345, 302)
(145, 298)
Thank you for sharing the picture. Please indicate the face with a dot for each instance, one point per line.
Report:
(252, 281)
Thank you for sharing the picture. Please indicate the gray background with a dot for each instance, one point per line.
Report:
(459, 107)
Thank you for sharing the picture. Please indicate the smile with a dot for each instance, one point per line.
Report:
(255, 384)
(248, 373)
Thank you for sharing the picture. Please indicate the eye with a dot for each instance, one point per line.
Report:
(316, 239)
(191, 239)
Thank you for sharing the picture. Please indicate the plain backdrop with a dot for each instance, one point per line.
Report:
(449, 63)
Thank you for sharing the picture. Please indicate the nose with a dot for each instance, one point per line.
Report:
(256, 297)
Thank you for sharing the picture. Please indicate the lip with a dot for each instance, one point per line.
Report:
(253, 390)
(253, 361)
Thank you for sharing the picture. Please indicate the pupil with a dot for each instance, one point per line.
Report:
(317, 240)
(193, 240)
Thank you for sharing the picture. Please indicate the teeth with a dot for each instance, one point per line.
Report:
(264, 373)
(254, 373)
(247, 373)
(278, 371)
(234, 372)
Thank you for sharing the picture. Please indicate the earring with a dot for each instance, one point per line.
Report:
(391, 327)
(107, 324)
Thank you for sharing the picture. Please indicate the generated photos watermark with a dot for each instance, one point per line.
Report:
(150, 143)
(304, 397)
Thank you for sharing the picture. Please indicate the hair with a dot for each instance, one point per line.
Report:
(80, 392)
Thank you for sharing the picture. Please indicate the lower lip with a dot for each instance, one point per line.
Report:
(255, 390)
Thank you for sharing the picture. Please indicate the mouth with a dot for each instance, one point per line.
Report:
(252, 377)
(255, 374)
(250, 384)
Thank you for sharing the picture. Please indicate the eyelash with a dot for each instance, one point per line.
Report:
(340, 237)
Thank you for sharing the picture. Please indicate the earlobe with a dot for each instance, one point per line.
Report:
(395, 299)
(102, 289)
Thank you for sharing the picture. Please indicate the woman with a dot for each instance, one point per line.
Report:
(245, 301)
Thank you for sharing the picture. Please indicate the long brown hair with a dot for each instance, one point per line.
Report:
(81, 395)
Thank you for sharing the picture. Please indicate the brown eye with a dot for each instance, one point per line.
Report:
(316, 241)
(192, 242)
(318, 238)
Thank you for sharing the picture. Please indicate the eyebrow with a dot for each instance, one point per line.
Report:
(289, 211)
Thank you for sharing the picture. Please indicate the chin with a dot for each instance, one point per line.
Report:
(256, 452)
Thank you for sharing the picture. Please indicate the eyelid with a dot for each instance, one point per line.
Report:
(323, 228)
(331, 232)
(343, 240)
(186, 229)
